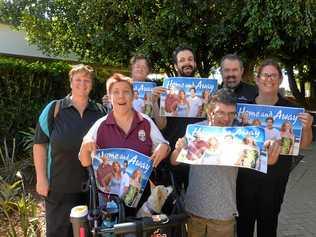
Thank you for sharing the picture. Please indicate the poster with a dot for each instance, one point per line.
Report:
(142, 97)
(123, 172)
(225, 146)
(186, 96)
(280, 123)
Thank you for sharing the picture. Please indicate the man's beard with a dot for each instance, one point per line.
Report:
(181, 72)
(231, 85)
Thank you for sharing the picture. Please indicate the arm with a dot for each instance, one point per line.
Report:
(40, 158)
(188, 108)
(160, 120)
(160, 153)
(179, 145)
(273, 152)
(88, 145)
(87, 148)
(161, 146)
(307, 135)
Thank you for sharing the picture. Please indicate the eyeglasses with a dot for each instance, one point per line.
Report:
(273, 76)
(221, 114)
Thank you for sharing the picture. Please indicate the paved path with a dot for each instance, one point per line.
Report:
(298, 214)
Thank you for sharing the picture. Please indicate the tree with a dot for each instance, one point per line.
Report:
(104, 31)
(286, 30)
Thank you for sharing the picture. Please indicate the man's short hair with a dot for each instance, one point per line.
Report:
(269, 118)
(192, 88)
(224, 96)
(232, 57)
(115, 78)
(178, 50)
(137, 57)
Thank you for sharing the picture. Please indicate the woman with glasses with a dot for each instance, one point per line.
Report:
(124, 127)
(260, 196)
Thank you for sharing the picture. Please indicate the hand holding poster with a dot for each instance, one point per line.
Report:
(142, 97)
(123, 172)
(225, 146)
(280, 123)
(186, 96)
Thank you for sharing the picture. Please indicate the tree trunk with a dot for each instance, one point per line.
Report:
(293, 86)
(312, 79)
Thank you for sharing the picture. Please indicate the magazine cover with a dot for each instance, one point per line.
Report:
(123, 172)
(186, 96)
(225, 146)
(280, 123)
(142, 97)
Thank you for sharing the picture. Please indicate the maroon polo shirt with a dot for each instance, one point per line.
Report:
(110, 135)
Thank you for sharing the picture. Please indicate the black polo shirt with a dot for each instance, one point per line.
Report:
(245, 92)
(175, 129)
(64, 137)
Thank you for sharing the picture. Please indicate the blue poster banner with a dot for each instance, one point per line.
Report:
(225, 146)
(280, 123)
(123, 172)
(186, 96)
(142, 97)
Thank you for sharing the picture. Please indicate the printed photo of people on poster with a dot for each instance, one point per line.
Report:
(225, 146)
(186, 97)
(279, 123)
(122, 172)
(142, 97)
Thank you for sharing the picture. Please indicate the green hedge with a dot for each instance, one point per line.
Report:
(27, 85)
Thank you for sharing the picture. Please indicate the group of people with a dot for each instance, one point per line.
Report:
(181, 105)
(215, 195)
(113, 178)
(285, 134)
(143, 105)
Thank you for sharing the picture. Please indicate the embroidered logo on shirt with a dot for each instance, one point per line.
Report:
(142, 135)
(242, 98)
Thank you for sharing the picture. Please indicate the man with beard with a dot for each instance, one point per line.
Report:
(232, 70)
(175, 127)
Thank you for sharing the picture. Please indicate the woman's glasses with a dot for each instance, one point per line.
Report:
(273, 76)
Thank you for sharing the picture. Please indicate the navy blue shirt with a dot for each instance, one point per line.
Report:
(64, 137)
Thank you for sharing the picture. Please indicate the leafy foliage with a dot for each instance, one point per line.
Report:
(27, 85)
(105, 31)
(14, 202)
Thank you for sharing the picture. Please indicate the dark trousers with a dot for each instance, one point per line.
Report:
(259, 198)
(58, 207)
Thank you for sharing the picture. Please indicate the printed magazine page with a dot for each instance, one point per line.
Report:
(279, 123)
(123, 172)
(186, 96)
(142, 97)
(225, 146)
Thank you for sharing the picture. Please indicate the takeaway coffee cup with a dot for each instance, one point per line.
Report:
(79, 220)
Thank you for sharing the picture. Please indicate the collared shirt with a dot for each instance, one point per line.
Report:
(63, 135)
(245, 92)
(143, 136)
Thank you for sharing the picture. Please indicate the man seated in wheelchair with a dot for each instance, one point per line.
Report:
(123, 128)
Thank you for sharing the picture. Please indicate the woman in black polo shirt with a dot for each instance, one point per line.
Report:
(260, 196)
(59, 132)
